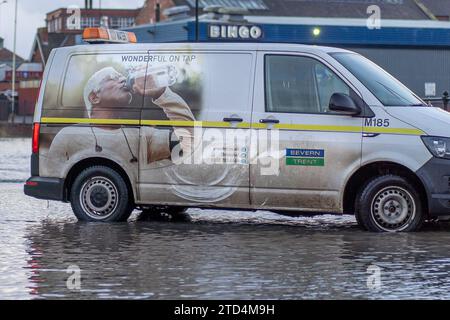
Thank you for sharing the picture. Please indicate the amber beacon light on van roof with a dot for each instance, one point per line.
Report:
(103, 35)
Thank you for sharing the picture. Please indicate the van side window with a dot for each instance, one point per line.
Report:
(328, 83)
(95, 87)
(297, 84)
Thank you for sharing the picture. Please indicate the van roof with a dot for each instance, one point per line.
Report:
(187, 46)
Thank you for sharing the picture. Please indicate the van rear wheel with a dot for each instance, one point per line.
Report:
(100, 194)
(389, 204)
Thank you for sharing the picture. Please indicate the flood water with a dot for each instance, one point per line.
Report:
(218, 255)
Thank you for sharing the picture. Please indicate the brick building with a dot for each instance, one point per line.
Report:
(61, 30)
(151, 12)
(58, 20)
(6, 61)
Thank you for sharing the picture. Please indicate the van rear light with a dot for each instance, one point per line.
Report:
(35, 141)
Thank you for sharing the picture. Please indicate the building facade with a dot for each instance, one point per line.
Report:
(61, 20)
(6, 61)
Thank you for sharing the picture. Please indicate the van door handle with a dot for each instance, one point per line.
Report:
(233, 119)
(269, 121)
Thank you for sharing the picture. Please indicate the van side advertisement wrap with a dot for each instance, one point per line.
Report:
(113, 86)
(151, 114)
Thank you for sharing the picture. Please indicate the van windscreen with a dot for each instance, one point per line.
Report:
(385, 87)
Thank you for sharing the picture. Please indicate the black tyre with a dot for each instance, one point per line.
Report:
(389, 203)
(359, 222)
(100, 194)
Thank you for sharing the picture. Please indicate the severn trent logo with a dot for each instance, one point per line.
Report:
(305, 157)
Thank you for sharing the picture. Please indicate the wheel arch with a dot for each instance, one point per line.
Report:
(368, 171)
(76, 169)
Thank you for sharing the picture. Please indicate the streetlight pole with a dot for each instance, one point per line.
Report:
(14, 65)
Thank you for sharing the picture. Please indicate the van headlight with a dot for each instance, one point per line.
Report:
(438, 146)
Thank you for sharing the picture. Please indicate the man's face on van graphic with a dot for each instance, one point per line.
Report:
(112, 92)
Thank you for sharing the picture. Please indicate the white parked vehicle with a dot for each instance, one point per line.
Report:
(316, 129)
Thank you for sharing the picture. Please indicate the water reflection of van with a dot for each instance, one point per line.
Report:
(313, 129)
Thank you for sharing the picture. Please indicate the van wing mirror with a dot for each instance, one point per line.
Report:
(341, 102)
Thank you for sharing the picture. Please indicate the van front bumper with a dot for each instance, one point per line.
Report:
(435, 176)
(45, 188)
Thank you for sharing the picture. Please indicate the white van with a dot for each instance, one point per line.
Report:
(281, 127)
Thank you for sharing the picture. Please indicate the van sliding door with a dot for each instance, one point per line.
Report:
(194, 101)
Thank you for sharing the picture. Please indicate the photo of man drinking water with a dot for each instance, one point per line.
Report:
(106, 96)
(108, 89)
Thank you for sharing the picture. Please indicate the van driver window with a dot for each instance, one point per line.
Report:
(299, 85)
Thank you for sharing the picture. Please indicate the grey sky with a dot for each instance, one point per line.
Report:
(31, 15)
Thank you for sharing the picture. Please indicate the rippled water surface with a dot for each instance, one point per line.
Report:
(218, 255)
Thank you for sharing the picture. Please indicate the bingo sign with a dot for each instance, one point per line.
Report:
(233, 32)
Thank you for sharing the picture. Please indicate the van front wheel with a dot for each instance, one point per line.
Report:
(100, 194)
(389, 204)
